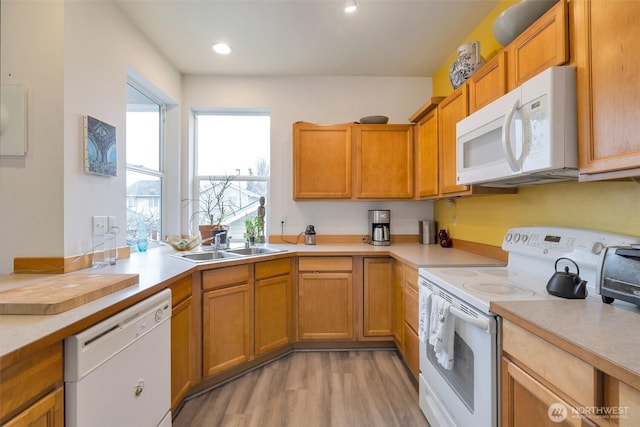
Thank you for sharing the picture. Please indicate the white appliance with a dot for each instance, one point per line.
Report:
(528, 136)
(467, 395)
(118, 372)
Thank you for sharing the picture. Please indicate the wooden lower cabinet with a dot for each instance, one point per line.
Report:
(273, 305)
(227, 319)
(325, 298)
(410, 308)
(544, 385)
(31, 388)
(181, 351)
(46, 412)
(378, 297)
(397, 315)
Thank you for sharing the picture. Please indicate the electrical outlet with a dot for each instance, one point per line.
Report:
(283, 220)
(111, 223)
(100, 224)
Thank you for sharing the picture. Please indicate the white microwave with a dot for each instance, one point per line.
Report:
(526, 137)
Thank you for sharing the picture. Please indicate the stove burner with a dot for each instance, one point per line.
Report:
(498, 289)
(502, 272)
(458, 272)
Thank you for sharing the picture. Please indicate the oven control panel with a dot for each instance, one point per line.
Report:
(559, 241)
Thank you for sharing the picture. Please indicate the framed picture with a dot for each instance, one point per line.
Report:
(99, 147)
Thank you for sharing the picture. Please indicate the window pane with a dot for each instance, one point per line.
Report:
(232, 144)
(143, 206)
(143, 130)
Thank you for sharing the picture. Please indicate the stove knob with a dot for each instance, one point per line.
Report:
(597, 247)
(525, 237)
(516, 237)
(508, 237)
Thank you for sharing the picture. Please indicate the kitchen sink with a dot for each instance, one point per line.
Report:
(224, 254)
(258, 250)
(205, 256)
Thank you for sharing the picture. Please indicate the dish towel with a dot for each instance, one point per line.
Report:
(442, 331)
(424, 297)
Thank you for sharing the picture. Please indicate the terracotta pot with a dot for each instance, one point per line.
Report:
(205, 232)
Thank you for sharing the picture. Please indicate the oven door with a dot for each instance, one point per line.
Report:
(466, 395)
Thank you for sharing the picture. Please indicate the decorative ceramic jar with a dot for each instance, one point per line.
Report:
(469, 60)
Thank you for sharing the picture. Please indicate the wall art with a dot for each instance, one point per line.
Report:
(99, 147)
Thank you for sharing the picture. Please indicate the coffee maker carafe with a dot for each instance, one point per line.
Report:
(380, 227)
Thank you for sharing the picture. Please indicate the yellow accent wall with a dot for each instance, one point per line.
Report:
(606, 206)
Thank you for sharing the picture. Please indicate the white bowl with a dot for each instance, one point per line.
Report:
(513, 21)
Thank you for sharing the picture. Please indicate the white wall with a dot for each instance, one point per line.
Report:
(31, 186)
(318, 100)
(75, 56)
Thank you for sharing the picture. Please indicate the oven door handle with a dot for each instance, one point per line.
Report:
(482, 323)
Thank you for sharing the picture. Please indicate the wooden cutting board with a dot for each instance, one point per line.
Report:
(58, 294)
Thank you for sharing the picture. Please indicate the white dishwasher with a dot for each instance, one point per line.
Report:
(118, 372)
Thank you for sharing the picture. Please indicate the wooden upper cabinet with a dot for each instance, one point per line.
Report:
(488, 83)
(384, 161)
(606, 42)
(322, 161)
(453, 109)
(544, 44)
(426, 148)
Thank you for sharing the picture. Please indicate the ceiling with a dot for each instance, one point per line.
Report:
(307, 37)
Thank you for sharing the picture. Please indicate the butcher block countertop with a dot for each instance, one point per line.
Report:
(605, 336)
(156, 269)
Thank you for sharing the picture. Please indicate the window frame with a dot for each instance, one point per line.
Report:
(160, 173)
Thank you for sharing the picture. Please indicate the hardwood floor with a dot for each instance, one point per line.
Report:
(313, 389)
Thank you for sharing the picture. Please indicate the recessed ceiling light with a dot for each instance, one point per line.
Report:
(221, 48)
(350, 6)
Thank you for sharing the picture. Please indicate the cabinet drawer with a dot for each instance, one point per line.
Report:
(180, 290)
(276, 267)
(411, 276)
(325, 263)
(568, 374)
(412, 350)
(411, 307)
(221, 277)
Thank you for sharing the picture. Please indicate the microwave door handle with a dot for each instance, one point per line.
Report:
(506, 138)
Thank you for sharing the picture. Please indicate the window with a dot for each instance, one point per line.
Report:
(232, 153)
(145, 121)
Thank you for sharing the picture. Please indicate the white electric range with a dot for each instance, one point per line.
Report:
(464, 392)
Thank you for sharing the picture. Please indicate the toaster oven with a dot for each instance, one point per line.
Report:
(619, 274)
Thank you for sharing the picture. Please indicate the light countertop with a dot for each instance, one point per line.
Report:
(605, 336)
(156, 268)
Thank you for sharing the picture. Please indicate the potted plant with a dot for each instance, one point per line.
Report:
(250, 229)
(213, 209)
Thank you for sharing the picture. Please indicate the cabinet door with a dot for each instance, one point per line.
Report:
(325, 306)
(378, 297)
(181, 351)
(488, 83)
(526, 402)
(606, 43)
(452, 110)
(384, 161)
(427, 155)
(544, 44)
(273, 313)
(321, 161)
(398, 301)
(46, 412)
(226, 328)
